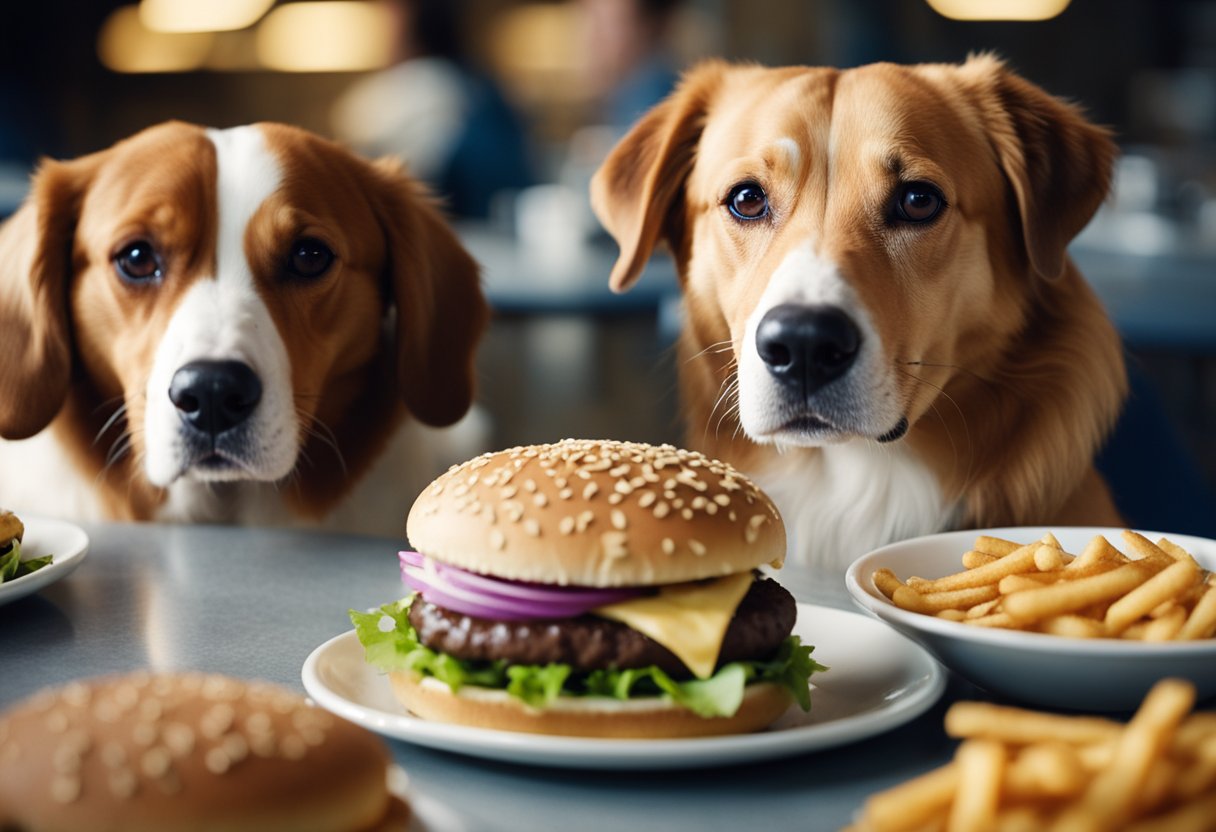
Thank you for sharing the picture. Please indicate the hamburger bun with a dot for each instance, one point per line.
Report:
(598, 514)
(603, 718)
(11, 528)
(188, 751)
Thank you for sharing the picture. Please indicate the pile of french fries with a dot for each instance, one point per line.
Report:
(1027, 771)
(1155, 592)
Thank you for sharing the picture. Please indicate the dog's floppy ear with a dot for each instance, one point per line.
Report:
(635, 190)
(436, 287)
(1058, 163)
(35, 266)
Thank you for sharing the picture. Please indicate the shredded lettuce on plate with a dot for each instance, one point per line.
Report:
(390, 643)
(13, 567)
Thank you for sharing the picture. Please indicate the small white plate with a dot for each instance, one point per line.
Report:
(43, 536)
(877, 681)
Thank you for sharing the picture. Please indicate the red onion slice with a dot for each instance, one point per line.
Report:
(509, 599)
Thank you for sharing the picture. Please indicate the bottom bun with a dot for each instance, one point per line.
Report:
(649, 718)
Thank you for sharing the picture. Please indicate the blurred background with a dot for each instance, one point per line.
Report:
(507, 106)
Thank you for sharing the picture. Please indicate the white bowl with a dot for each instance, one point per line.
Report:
(1035, 668)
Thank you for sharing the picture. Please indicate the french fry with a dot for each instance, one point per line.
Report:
(1114, 790)
(1048, 558)
(995, 546)
(1143, 546)
(959, 598)
(1048, 769)
(1166, 584)
(1096, 551)
(981, 765)
(886, 581)
(972, 559)
(1035, 604)
(1019, 560)
(983, 720)
(912, 803)
(1165, 626)
(1201, 623)
(1175, 551)
(1072, 626)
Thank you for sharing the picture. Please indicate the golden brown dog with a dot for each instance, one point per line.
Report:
(882, 322)
(229, 325)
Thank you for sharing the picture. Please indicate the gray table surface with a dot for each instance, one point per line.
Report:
(254, 603)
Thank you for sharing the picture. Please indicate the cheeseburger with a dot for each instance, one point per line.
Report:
(593, 588)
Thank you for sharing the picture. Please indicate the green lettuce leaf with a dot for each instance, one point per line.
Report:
(12, 566)
(390, 643)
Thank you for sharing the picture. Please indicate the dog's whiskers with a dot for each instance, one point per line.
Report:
(969, 473)
(717, 348)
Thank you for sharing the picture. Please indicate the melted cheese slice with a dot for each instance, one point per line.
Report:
(690, 620)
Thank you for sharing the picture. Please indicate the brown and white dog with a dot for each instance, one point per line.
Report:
(883, 325)
(242, 325)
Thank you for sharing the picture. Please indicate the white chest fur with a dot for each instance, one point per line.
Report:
(841, 501)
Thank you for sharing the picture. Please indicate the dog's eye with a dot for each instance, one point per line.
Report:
(918, 202)
(309, 258)
(138, 262)
(748, 201)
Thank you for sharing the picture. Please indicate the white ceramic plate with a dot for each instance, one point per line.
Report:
(44, 536)
(878, 680)
(1039, 669)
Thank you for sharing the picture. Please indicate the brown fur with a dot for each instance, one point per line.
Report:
(1010, 373)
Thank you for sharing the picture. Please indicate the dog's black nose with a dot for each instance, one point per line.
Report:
(214, 396)
(807, 346)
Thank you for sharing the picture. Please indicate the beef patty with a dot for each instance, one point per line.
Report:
(761, 622)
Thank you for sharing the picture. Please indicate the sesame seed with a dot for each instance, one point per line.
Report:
(217, 761)
(155, 762)
(615, 499)
(540, 500)
(235, 746)
(614, 544)
(584, 520)
(661, 510)
(530, 485)
(179, 738)
(66, 760)
(732, 516)
(686, 514)
(698, 548)
(123, 783)
(76, 694)
(750, 534)
(646, 499)
(566, 493)
(722, 499)
(532, 527)
(144, 733)
(57, 721)
(757, 520)
(513, 510)
(65, 788)
(668, 545)
(498, 540)
(590, 491)
(618, 519)
(699, 502)
(292, 747)
(623, 487)
(113, 754)
(566, 526)
(711, 508)
(508, 491)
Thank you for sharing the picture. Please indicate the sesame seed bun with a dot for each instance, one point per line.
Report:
(597, 513)
(648, 718)
(188, 751)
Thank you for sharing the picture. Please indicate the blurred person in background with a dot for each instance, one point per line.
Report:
(446, 120)
(631, 64)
